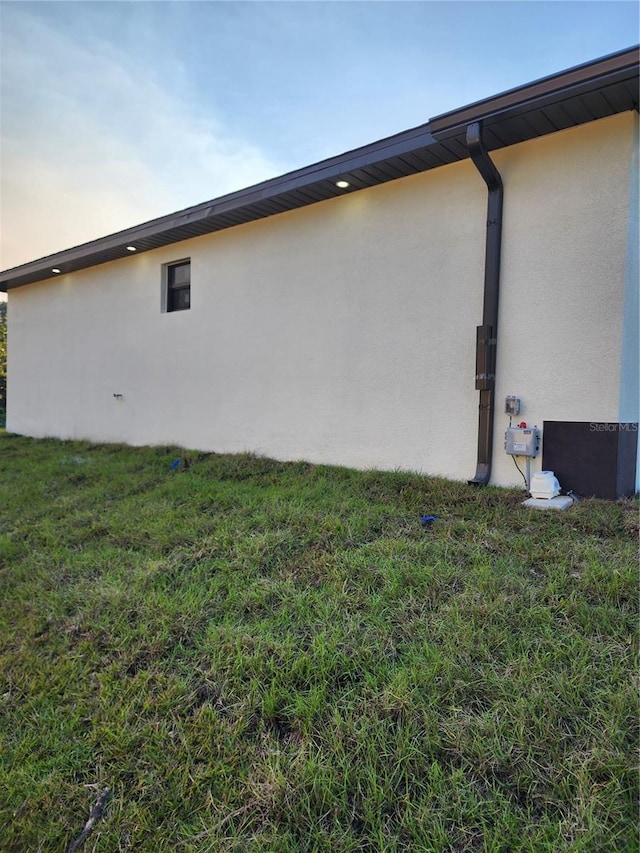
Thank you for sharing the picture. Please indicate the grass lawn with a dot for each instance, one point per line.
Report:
(260, 656)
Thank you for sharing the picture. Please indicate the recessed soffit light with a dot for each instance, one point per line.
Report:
(55, 270)
(343, 184)
(131, 249)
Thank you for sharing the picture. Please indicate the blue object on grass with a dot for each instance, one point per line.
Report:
(429, 519)
(175, 464)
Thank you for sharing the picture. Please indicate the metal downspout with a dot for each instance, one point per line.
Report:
(487, 333)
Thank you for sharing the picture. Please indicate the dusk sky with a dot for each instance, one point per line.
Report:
(117, 112)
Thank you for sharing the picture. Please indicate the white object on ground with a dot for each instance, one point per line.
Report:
(544, 484)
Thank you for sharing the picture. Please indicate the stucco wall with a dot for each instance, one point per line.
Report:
(565, 245)
(345, 332)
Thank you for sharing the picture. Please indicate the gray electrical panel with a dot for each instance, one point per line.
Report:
(522, 441)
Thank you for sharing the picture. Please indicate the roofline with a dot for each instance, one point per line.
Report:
(621, 60)
(438, 142)
(328, 169)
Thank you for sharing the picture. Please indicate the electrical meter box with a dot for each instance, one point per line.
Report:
(522, 441)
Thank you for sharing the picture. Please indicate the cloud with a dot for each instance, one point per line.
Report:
(92, 143)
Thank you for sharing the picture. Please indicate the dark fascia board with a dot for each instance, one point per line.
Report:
(317, 181)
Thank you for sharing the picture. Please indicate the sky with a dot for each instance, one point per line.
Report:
(113, 113)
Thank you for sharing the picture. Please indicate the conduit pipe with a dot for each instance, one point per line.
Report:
(487, 333)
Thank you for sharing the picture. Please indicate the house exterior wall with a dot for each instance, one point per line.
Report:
(344, 332)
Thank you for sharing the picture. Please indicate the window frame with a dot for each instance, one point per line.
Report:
(169, 288)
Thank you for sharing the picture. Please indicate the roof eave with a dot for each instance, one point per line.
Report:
(581, 78)
(436, 143)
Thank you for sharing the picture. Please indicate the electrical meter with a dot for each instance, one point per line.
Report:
(512, 405)
(522, 441)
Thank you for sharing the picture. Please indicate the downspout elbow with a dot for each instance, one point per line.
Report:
(481, 160)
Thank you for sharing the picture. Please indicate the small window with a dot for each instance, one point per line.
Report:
(179, 286)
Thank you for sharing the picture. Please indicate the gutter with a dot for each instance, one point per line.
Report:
(487, 333)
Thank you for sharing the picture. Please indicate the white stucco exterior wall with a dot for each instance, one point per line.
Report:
(562, 299)
(344, 332)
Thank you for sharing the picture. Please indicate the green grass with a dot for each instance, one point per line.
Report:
(260, 656)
